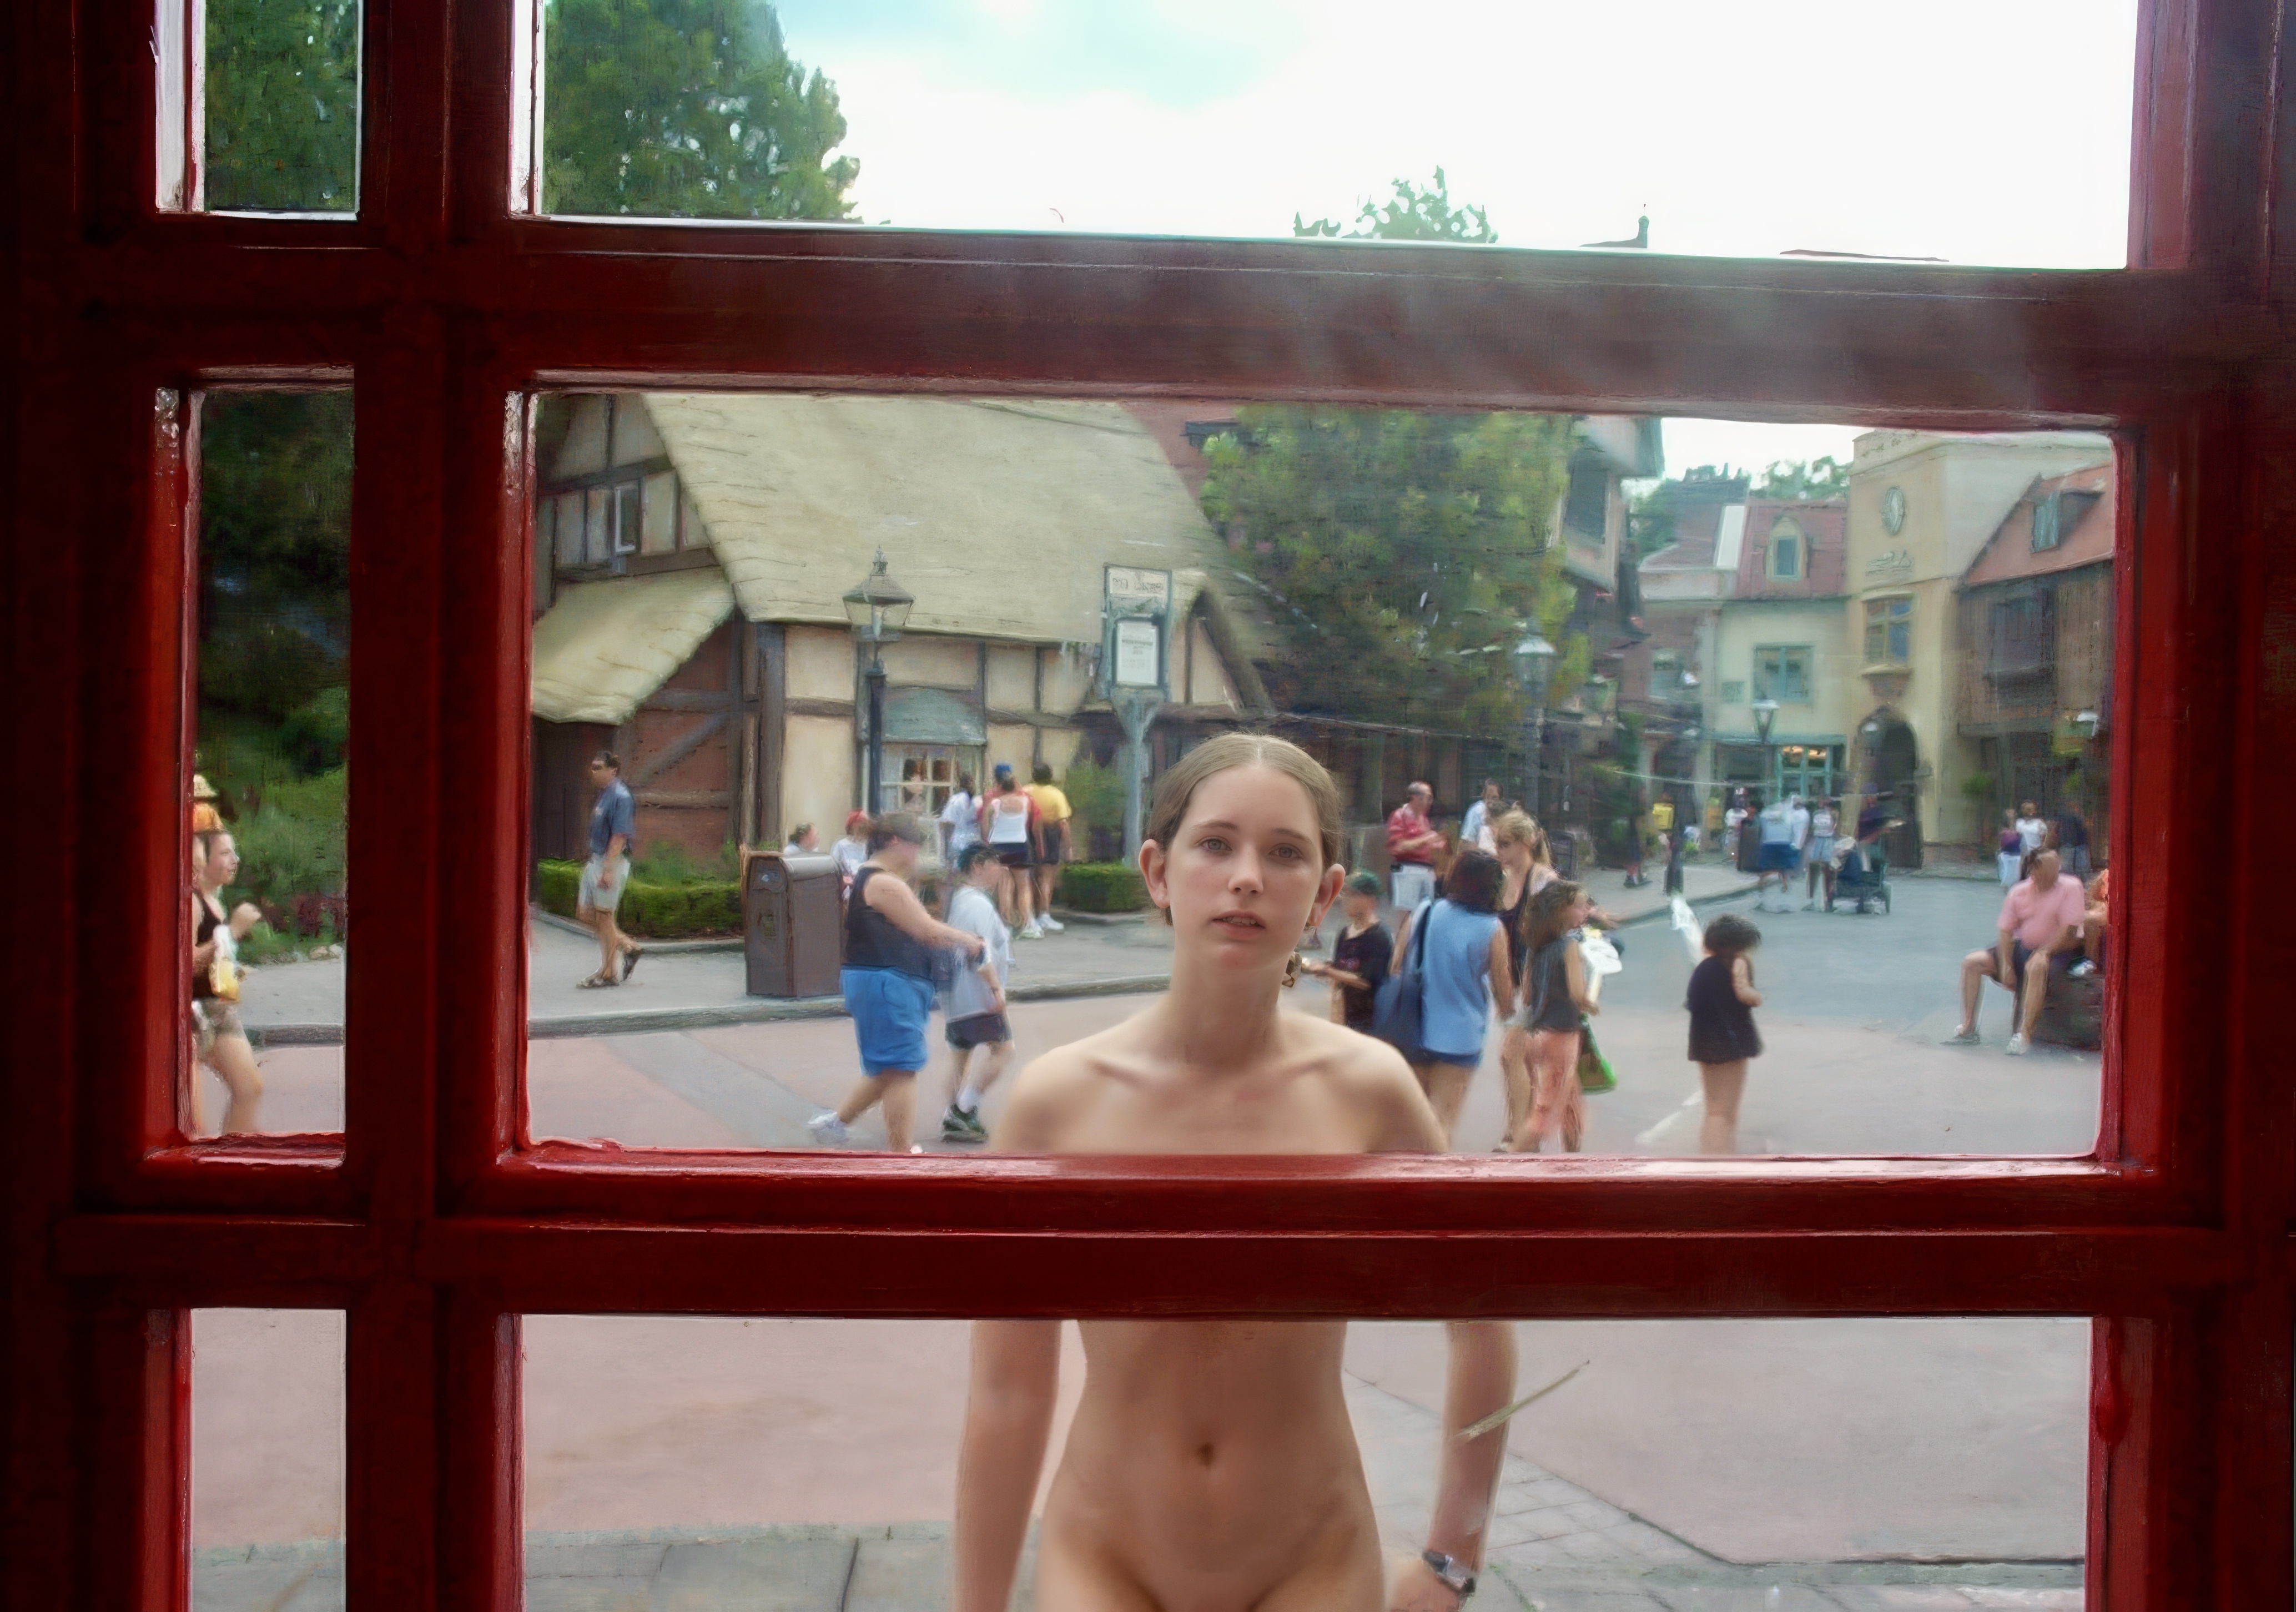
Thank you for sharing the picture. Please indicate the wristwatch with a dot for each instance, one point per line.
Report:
(1454, 1573)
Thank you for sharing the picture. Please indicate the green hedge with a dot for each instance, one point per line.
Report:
(1102, 886)
(655, 911)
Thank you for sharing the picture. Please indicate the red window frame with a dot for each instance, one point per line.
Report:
(434, 1226)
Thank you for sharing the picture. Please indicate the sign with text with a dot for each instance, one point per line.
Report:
(1137, 608)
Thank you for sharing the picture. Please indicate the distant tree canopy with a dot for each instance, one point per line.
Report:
(281, 106)
(686, 109)
(1411, 214)
(1823, 478)
(1402, 552)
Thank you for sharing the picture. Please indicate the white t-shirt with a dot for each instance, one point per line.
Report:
(1777, 825)
(971, 910)
(1821, 823)
(849, 854)
(1797, 825)
(2032, 830)
(963, 816)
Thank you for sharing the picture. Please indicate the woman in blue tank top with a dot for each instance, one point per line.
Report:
(1466, 972)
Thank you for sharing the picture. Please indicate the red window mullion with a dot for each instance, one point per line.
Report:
(394, 1438)
(128, 1450)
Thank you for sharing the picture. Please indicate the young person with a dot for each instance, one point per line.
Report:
(1360, 956)
(852, 850)
(1052, 842)
(614, 824)
(1558, 1000)
(1721, 1000)
(1008, 826)
(1466, 973)
(888, 980)
(2008, 851)
(960, 820)
(976, 1000)
(1523, 854)
(1824, 822)
(803, 841)
(1211, 1463)
(221, 1044)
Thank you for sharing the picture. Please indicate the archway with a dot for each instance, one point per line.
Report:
(1893, 777)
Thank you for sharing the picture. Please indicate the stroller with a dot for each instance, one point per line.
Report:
(1864, 878)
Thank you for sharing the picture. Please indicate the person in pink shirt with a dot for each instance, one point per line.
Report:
(2040, 934)
(1412, 843)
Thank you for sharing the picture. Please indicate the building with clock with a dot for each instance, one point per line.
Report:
(1922, 504)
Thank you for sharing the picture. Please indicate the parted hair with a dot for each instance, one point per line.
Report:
(1180, 781)
(1550, 912)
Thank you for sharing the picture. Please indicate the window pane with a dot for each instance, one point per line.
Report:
(660, 514)
(283, 106)
(266, 1459)
(1846, 1463)
(1069, 116)
(1691, 707)
(269, 911)
(599, 527)
(570, 547)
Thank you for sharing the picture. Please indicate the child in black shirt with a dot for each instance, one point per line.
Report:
(1359, 956)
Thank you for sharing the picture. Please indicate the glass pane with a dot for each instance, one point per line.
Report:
(627, 518)
(1167, 121)
(599, 527)
(1824, 751)
(1856, 1464)
(570, 550)
(269, 912)
(660, 513)
(267, 1460)
(282, 109)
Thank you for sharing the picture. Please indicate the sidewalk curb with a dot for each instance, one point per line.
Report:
(761, 1009)
(1710, 899)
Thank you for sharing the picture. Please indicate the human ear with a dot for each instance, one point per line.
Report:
(1327, 892)
(1153, 874)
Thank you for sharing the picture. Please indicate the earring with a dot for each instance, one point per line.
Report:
(1292, 970)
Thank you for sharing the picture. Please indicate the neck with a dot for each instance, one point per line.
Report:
(1218, 1021)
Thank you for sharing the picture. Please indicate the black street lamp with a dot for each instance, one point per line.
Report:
(1534, 666)
(878, 609)
(1765, 712)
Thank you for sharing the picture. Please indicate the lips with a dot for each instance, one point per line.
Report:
(1242, 923)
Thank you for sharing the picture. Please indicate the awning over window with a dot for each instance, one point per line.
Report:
(929, 716)
(603, 647)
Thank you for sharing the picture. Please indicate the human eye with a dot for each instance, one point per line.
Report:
(1212, 843)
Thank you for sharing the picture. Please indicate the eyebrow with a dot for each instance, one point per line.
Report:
(1221, 822)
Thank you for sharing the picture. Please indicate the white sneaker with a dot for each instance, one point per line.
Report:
(1051, 926)
(2016, 1047)
(827, 1128)
(1033, 931)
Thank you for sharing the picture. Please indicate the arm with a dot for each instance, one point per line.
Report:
(615, 847)
(1742, 981)
(1574, 971)
(244, 917)
(1501, 973)
(1008, 1419)
(900, 905)
(1482, 1371)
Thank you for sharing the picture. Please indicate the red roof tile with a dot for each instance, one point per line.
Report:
(1824, 524)
(2009, 554)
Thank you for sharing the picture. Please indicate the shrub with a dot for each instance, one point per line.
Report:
(1097, 795)
(315, 732)
(284, 855)
(650, 910)
(1102, 887)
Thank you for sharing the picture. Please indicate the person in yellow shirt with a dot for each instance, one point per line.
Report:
(1053, 817)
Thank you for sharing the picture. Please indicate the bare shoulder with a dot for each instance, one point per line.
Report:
(1373, 1079)
(1053, 1089)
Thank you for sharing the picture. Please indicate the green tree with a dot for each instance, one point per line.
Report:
(282, 109)
(688, 108)
(1822, 478)
(1411, 214)
(1403, 551)
(274, 563)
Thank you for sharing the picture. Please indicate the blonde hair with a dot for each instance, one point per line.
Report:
(1515, 827)
(1178, 785)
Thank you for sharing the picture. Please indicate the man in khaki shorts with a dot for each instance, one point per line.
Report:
(614, 823)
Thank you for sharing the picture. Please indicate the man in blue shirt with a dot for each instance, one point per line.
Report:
(614, 823)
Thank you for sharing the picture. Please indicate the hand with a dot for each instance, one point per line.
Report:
(1411, 1586)
(975, 948)
(606, 878)
(1315, 967)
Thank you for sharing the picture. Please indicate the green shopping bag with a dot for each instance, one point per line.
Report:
(1595, 1073)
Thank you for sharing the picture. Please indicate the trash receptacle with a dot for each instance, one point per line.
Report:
(793, 924)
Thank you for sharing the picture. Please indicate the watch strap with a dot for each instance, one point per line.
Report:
(1454, 1573)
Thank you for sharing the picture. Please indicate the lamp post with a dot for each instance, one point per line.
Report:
(878, 607)
(1765, 712)
(1534, 666)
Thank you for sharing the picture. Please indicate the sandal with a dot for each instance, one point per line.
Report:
(597, 980)
(630, 962)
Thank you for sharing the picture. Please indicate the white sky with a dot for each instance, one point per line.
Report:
(1979, 131)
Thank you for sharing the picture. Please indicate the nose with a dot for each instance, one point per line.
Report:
(1243, 871)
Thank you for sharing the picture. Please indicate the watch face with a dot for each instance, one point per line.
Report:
(1893, 510)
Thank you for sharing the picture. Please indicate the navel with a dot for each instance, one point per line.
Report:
(1203, 1455)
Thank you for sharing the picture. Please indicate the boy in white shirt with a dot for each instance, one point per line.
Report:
(975, 1008)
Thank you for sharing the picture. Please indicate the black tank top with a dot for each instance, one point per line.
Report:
(1511, 919)
(874, 941)
(203, 927)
